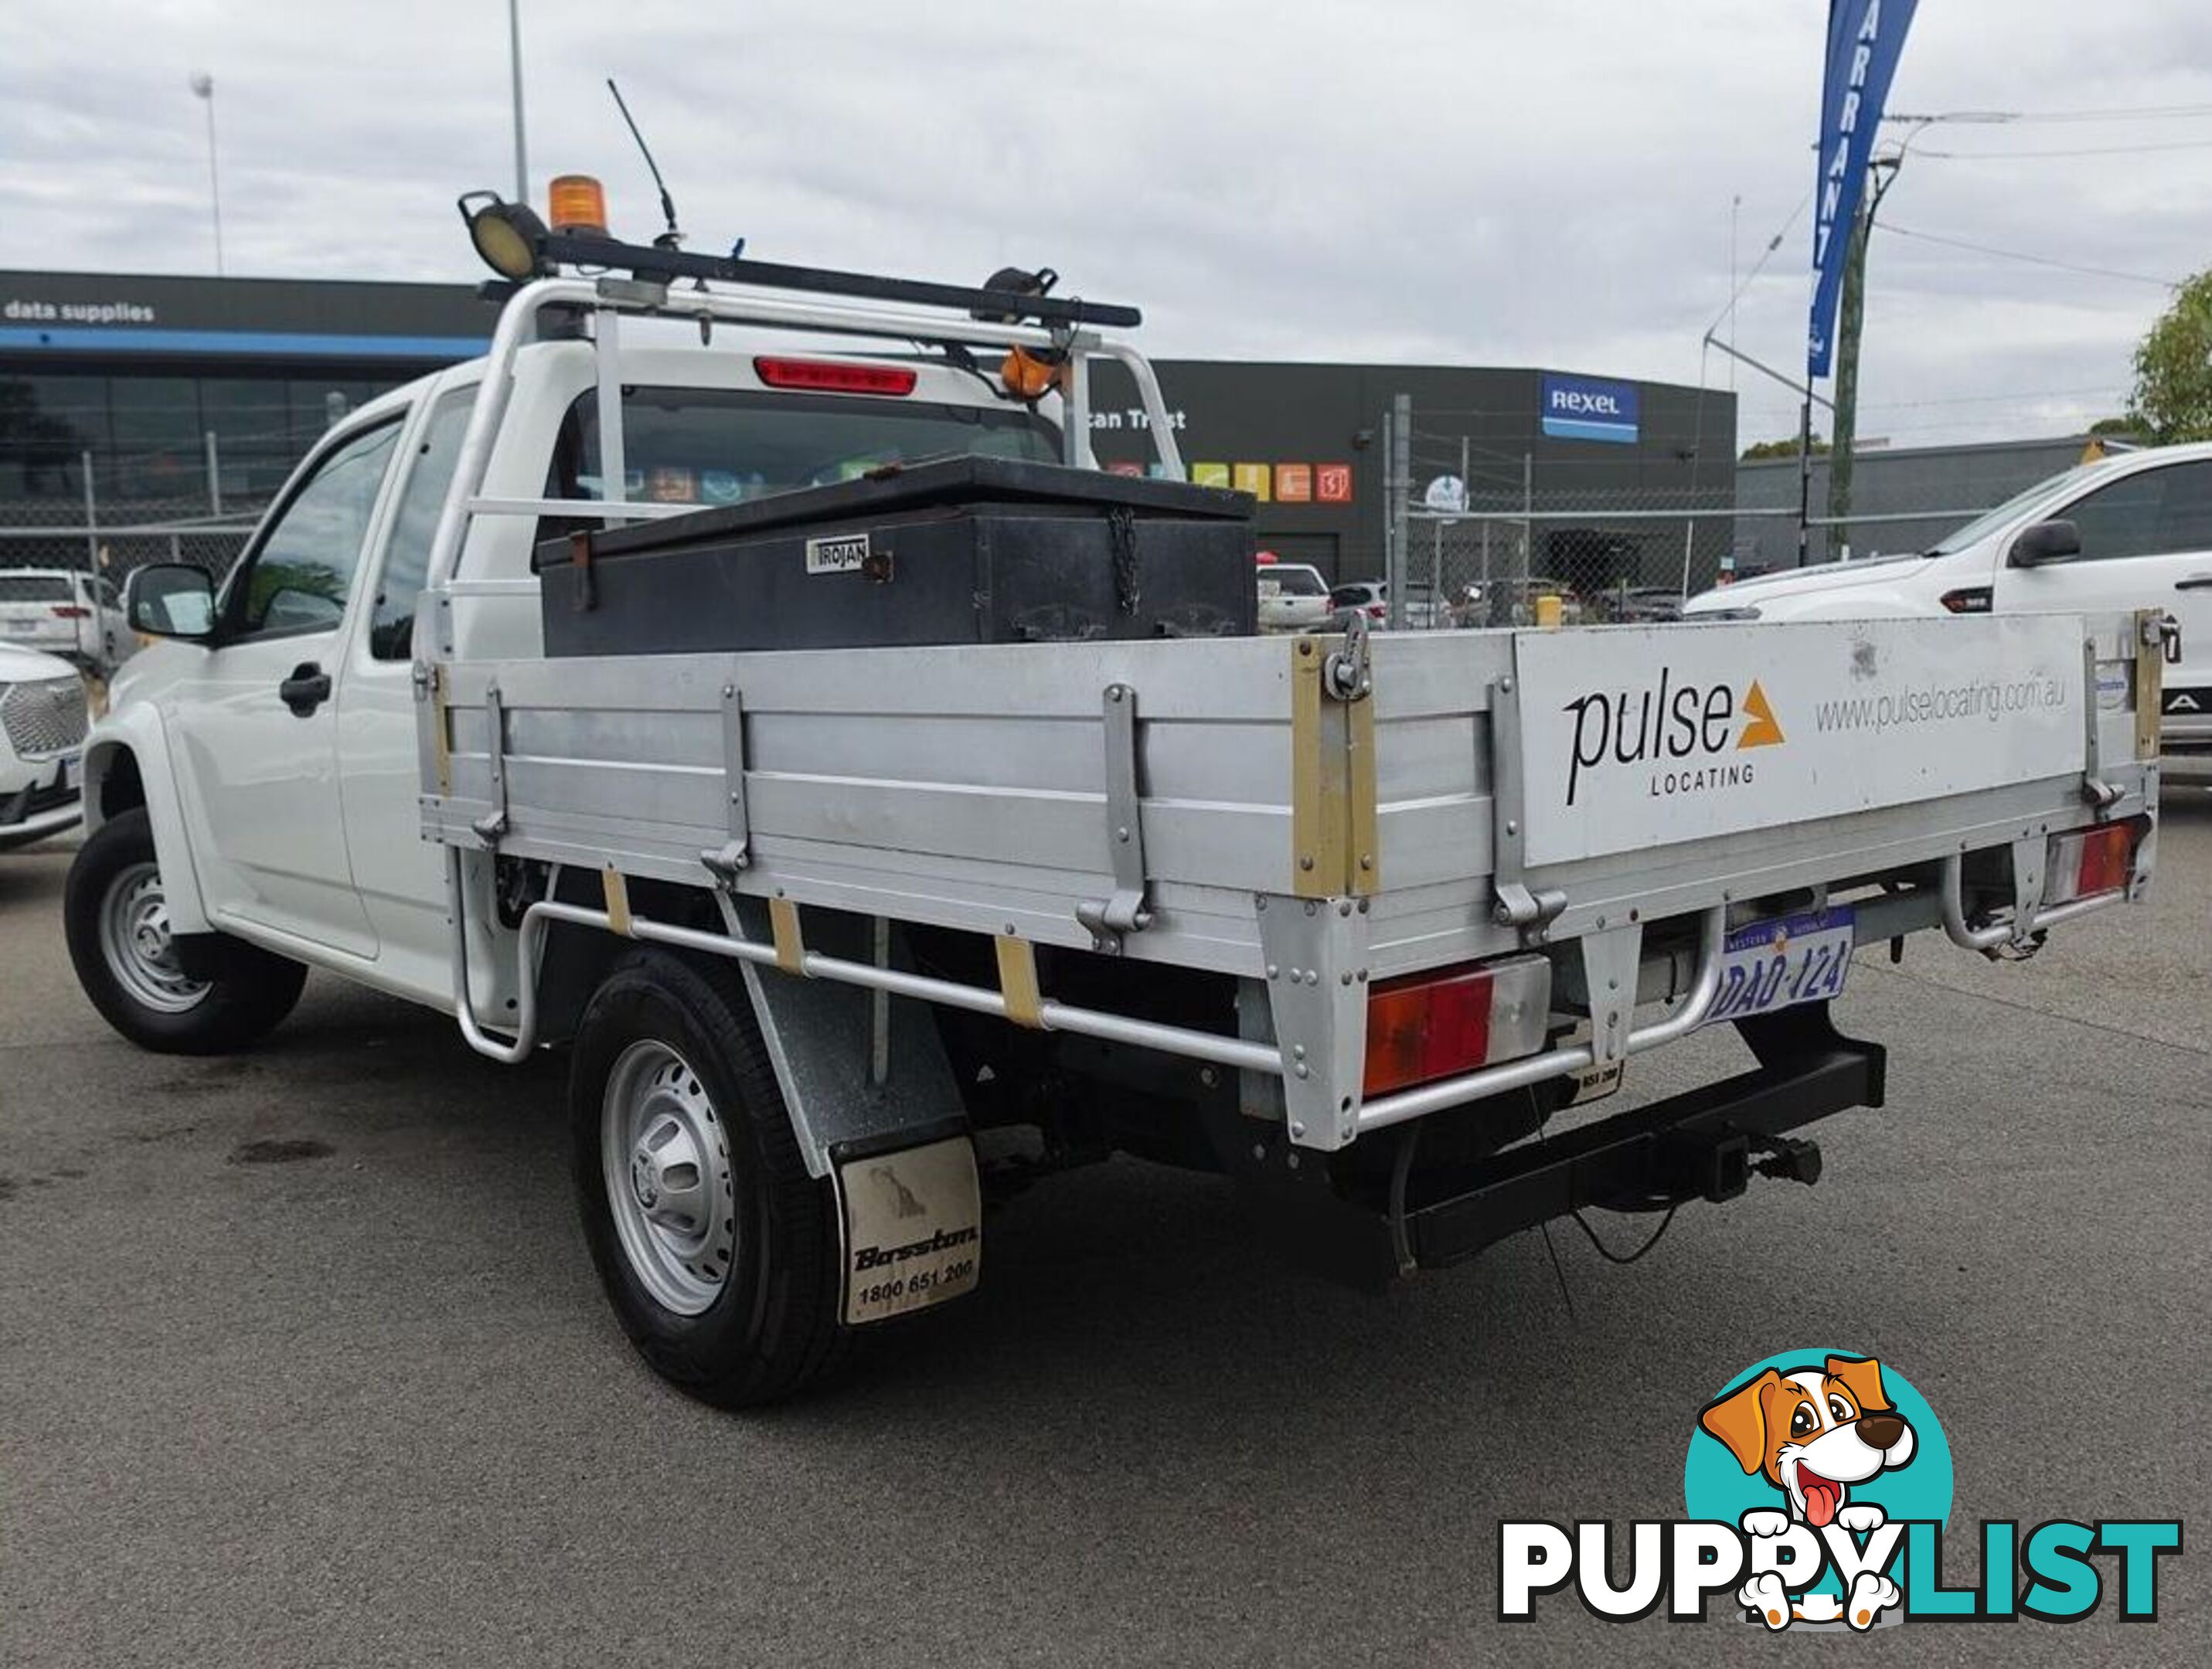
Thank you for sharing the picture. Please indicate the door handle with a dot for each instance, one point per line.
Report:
(2195, 582)
(308, 689)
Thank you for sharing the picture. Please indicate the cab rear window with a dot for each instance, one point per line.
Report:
(715, 447)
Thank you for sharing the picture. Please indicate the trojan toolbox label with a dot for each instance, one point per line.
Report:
(914, 1228)
(1638, 737)
(837, 553)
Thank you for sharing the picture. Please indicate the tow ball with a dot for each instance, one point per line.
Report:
(1720, 1168)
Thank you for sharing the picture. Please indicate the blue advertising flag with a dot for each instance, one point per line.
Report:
(1864, 39)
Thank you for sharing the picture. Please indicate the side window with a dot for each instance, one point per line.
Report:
(407, 552)
(2121, 519)
(301, 576)
(2184, 521)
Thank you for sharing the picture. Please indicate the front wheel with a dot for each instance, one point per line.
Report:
(117, 920)
(716, 1248)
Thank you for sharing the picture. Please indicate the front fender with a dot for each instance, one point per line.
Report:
(132, 735)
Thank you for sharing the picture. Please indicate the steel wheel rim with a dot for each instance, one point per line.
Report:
(139, 945)
(664, 1158)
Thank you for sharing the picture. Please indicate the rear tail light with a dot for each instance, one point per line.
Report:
(1428, 1026)
(71, 612)
(2087, 862)
(834, 376)
(1971, 599)
(1376, 610)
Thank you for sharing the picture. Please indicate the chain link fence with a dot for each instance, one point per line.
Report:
(1478, 533)
(106, 514)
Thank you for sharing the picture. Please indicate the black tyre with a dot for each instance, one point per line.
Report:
(126, 960)
(717, 1249)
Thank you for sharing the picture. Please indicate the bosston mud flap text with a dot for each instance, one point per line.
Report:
(913, 1223)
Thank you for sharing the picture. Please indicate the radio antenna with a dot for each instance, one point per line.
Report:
(673, 237)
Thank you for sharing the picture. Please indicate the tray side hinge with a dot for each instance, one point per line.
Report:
(493, 824)
(735, 854)
(1515, 905)
(1124, 910)
(2098, 792)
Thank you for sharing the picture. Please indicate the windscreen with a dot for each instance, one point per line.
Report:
(713, 447)
(1989, 521)
(33, 588)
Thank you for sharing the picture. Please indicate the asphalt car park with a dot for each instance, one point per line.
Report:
(301, 1360)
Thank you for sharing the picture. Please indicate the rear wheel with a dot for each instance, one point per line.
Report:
(716, 1248)
(123, 948)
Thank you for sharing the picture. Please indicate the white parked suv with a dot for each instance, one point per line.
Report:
(76, 615)
(42, 725)
(2131, 532)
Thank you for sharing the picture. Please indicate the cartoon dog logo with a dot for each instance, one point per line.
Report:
(1812, 1433)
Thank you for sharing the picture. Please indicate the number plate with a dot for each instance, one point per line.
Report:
(1782, 962)
(914, 1228)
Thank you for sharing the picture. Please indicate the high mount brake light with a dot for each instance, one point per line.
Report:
(1428, 1026)
(834, 376)
(2087, 862)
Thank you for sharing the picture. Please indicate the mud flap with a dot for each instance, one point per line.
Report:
(911, 1222)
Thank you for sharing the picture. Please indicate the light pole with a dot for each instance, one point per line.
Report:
(202, 86)
(515, 72)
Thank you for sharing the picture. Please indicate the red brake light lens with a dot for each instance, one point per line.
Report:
(834, 376)
(1973, 599)
(2088, 862)
(1419, 1029)
(70, 611)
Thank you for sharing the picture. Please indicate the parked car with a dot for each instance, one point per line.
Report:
(42, 726)
(61, 612)
(1644, 604)
(2131, 532)
(1293, 597)
(1371, 597)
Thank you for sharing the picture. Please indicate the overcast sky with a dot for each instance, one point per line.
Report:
(1396, 180)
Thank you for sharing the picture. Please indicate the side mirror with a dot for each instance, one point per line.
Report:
(171, 600)
(2046, 541)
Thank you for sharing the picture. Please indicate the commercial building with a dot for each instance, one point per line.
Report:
(164, 403)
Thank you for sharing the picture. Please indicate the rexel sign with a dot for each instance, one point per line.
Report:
(1585, 409)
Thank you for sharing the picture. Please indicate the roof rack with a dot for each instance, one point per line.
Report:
(655, 263)
(638, 281)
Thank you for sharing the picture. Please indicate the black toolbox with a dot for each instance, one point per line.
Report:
(959, 550)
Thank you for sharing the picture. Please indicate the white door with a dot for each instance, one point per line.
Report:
(258, 727)
(400, 876)
(2146, 543)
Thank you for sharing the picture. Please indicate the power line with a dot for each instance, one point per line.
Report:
(2032, 260)
(1772, 244)
(2126, 113)
(2086, 150)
